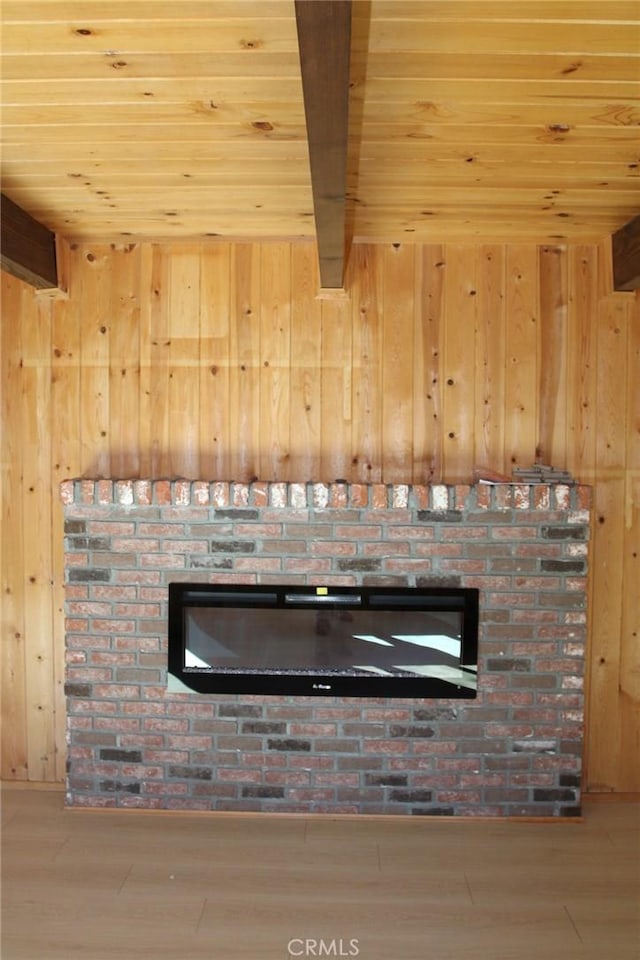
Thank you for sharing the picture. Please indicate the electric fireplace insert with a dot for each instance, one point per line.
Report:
(324, 640)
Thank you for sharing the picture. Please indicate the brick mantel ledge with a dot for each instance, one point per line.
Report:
(439, 498)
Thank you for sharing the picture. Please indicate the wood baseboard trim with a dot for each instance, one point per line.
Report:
(284, 815)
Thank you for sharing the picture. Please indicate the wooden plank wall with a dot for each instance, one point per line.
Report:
(218, 361)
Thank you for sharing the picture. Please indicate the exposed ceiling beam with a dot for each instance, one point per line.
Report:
(626, 256)
(324, 39)
(28, 249)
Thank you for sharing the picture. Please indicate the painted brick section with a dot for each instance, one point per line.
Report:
(515, 751)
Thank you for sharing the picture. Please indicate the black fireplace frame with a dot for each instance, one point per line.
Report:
(458, 682)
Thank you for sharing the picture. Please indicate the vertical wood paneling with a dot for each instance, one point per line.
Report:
(149, 257)
(552, 273)
(17, 303)
(630, 625)
(244, 403)
(581, 368)
(521, 369)
(459, 362)
(336, 386)
(215, 326)
(184, 361)
(306, 347)
(427, 413)
(490, 360)
(97, 315)
(234, 368)
(275, 360)
(66, 347)
(607, 554)
(37, 505)
(367, 297)
(124, 364)
(66, 341)
(159, 373)
(397, 362)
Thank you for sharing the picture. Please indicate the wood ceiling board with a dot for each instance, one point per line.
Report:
(578, 151)
(474, 229)
(109, 64)
(491, 65)
(426, 10)
(171, 170)
(105, 152)
(283, 197)
(153, 224)
(52, 10)
(390, 135)
(290, 202)
(165, 177)
(400, 98)
(532, 135)
(473, 35)
(446, 94)
(220, 120)
(381, 173)
(84, 35)
(211, 91)
(381, 68)
(513, 197)
(549, 10)
(560, 116)
(93, 133)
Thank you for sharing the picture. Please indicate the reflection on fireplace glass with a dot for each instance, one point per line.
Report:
(353, 641)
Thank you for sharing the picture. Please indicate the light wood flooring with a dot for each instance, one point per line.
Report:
(114, 885)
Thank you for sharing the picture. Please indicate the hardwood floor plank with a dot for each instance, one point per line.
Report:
(116, 885)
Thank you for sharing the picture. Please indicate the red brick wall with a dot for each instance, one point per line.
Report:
(515, 751)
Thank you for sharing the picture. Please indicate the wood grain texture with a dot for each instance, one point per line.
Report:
(335, 374)
(244, 398)
(428, 367)
(36, 510)
(324, 41)
(215, 334)
(28, 248)
(523, 356)
(581, 366)
(459, 361)
(552, 441)
(630, 626)
(367, 273)
(356, 388)
(398, 324)
(126, 883)
(16, 302)
(490, 360)
(470, 121)
(626, 256)
(608, 559)
(306, 348)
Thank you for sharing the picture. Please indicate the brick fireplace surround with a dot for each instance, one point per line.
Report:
(515, 751)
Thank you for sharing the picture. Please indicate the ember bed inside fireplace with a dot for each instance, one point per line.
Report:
(324, 640)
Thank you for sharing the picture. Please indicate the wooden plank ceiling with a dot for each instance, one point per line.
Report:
(469, 120)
